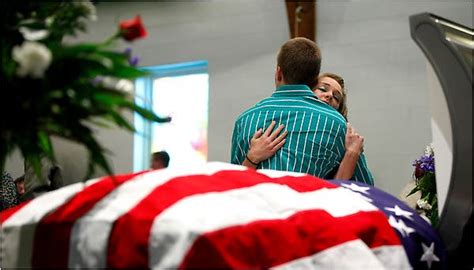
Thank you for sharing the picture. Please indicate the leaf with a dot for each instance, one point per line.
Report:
(147, 114)
(32, 158)
(46, 145)
(85, 136)
(127, 72)
(118, 99)
(74, 50)
(103, 61)
(434, 217)
(121, 122)
(114, 56)
(413, 191)
(100, 123)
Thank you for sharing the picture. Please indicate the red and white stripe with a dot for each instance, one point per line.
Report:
(216, 215)
(19, 229)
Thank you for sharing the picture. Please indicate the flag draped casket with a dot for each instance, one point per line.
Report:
(218, 215)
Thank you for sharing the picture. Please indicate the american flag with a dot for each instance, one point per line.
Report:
(218, 215)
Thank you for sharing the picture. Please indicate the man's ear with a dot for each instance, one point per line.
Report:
(278, 75)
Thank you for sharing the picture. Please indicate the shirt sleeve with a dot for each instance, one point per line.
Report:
(362, 172)
(237, 153)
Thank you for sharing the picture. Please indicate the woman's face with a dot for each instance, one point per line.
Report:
(329, 91)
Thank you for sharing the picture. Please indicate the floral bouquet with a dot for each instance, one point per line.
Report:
(52, 88)
(425, 179)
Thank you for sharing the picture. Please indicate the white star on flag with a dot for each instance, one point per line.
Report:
(400, 226)
(399, 212)
(357, 188)
(428, 255)
(364, 198)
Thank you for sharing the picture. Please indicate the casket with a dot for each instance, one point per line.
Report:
(218, 215)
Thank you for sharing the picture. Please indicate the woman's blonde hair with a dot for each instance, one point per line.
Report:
(343, 105)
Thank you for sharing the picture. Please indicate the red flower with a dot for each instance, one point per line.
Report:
(132, 29)
(419, 172)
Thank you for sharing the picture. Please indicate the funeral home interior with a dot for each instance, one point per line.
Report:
(207, 62)
(236, 42)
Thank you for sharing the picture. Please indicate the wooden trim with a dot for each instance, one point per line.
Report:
(305, 26)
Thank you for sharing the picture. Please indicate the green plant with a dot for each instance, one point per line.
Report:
(425, 180)
(52, 88)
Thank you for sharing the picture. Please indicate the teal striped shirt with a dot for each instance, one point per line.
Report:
(316, 134)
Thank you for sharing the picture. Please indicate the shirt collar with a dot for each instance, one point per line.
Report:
(292, 90)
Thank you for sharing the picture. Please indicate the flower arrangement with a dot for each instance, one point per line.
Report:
(425, 180)
(53, 88)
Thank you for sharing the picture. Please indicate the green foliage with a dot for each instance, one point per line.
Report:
(425, 179)
(71, 98)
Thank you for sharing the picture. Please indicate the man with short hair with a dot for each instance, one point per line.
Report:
(316, 131)
(159, 160)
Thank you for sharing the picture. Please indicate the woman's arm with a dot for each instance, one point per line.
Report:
(264, 145)
(354, 147)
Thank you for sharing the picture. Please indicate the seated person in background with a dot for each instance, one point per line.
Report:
(20, 185)
(9, 196)
(330, 89)
(50, 178)
(160, 160)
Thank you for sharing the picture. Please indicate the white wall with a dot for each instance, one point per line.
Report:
(369, 44)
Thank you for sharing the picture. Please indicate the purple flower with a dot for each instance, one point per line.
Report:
(128, 52)
(133, 61)
(426, 163)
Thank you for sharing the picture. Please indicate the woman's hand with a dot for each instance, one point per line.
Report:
(354, 141)
(265, 144)
(354, 147)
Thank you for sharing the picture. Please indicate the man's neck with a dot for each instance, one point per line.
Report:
(280, 83)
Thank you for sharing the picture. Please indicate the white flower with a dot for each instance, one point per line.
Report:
(33, 59)
(125, 86)
(423, 204)
(429, 150)
(122, 85)
(33, 35)
(89, 7)
(49, 21)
